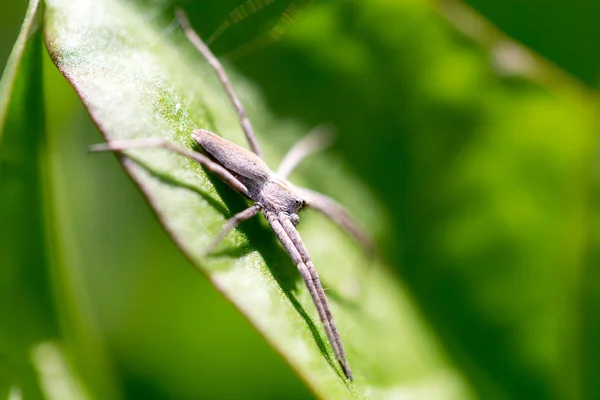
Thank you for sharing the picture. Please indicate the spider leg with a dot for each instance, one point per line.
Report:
(222, 173)
(290, 239)
(338, 214)
(233, 222)
(316, 140)
(222, 75)
(334, 336)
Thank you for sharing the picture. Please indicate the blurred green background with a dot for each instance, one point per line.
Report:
(488, 177)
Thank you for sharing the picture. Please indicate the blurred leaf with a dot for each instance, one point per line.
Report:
(11, 20)
(136, 81)
(20, 63)
(38, 322)
(560, 30)
(484, 173)
(26, 309)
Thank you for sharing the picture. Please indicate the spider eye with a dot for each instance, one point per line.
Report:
(300, 203)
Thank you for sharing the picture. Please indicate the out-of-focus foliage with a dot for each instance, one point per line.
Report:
(486, 175)
(488, 179)
(24, 280)
(40, 305)
(562, 30)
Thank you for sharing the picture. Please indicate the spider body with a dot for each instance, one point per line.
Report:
(272, 193)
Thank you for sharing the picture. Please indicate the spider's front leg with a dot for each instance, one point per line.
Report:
(291, 241)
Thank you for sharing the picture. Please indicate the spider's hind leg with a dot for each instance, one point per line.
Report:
(149, 143)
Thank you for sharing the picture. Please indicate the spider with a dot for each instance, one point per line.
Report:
(273, 195)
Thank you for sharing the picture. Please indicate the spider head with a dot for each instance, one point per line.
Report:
(279, 197)
(298, 205)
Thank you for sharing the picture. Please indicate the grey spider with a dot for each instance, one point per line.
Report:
(277, 198)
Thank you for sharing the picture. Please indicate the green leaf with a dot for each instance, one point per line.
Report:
(560, 34)
(45, 345)
(136, 80)
(22, 61)
(26, 309)
(482, 153)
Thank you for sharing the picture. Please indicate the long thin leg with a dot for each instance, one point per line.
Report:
(214, 62)
(233, 222)
(334, 336)
(316, 140)
(338, 214)
(121, 145)
(314, 287)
